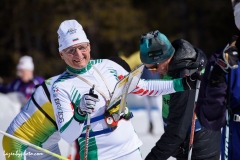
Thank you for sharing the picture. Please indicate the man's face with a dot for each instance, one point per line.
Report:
(76, 56)
(161, 68)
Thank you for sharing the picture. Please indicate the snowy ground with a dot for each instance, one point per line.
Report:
(140, 122)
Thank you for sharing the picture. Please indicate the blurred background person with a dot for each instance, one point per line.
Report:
(26, 81)
(148, 101)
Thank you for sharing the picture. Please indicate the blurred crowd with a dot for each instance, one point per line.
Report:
(26, 81)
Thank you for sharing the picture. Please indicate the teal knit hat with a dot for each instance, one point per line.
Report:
(155, 48)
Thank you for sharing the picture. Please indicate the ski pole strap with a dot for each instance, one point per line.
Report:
(104, 131)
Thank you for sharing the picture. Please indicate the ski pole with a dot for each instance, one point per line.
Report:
(91, 92)
(232, 43)
(87, 137)
(34, 146)
(194, 114)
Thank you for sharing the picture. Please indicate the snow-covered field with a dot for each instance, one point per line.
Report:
(140, 122)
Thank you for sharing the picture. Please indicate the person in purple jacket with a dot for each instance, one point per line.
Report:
(26, 81)
(212, 100)
(219, 96)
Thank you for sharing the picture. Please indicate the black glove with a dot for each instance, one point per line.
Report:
(233, 57)
(223, 65)
(190, 82)
(229, 59)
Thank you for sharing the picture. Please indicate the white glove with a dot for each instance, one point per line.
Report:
(87, 104)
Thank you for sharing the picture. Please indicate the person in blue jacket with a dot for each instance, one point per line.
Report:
(212, 101)
(220, 88)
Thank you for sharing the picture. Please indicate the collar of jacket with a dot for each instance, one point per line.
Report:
(80, 71)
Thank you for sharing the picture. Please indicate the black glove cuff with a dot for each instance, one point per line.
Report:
(75, 117)
(81, 112)
(79, 115)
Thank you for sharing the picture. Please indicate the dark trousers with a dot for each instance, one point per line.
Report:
(217, 157)
(206, 146)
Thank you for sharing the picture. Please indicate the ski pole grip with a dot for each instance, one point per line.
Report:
(91, 92)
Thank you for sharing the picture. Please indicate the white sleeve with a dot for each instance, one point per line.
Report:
(156, 87)
(68, 127)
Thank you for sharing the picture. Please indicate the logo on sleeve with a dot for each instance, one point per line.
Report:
(59, 115)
